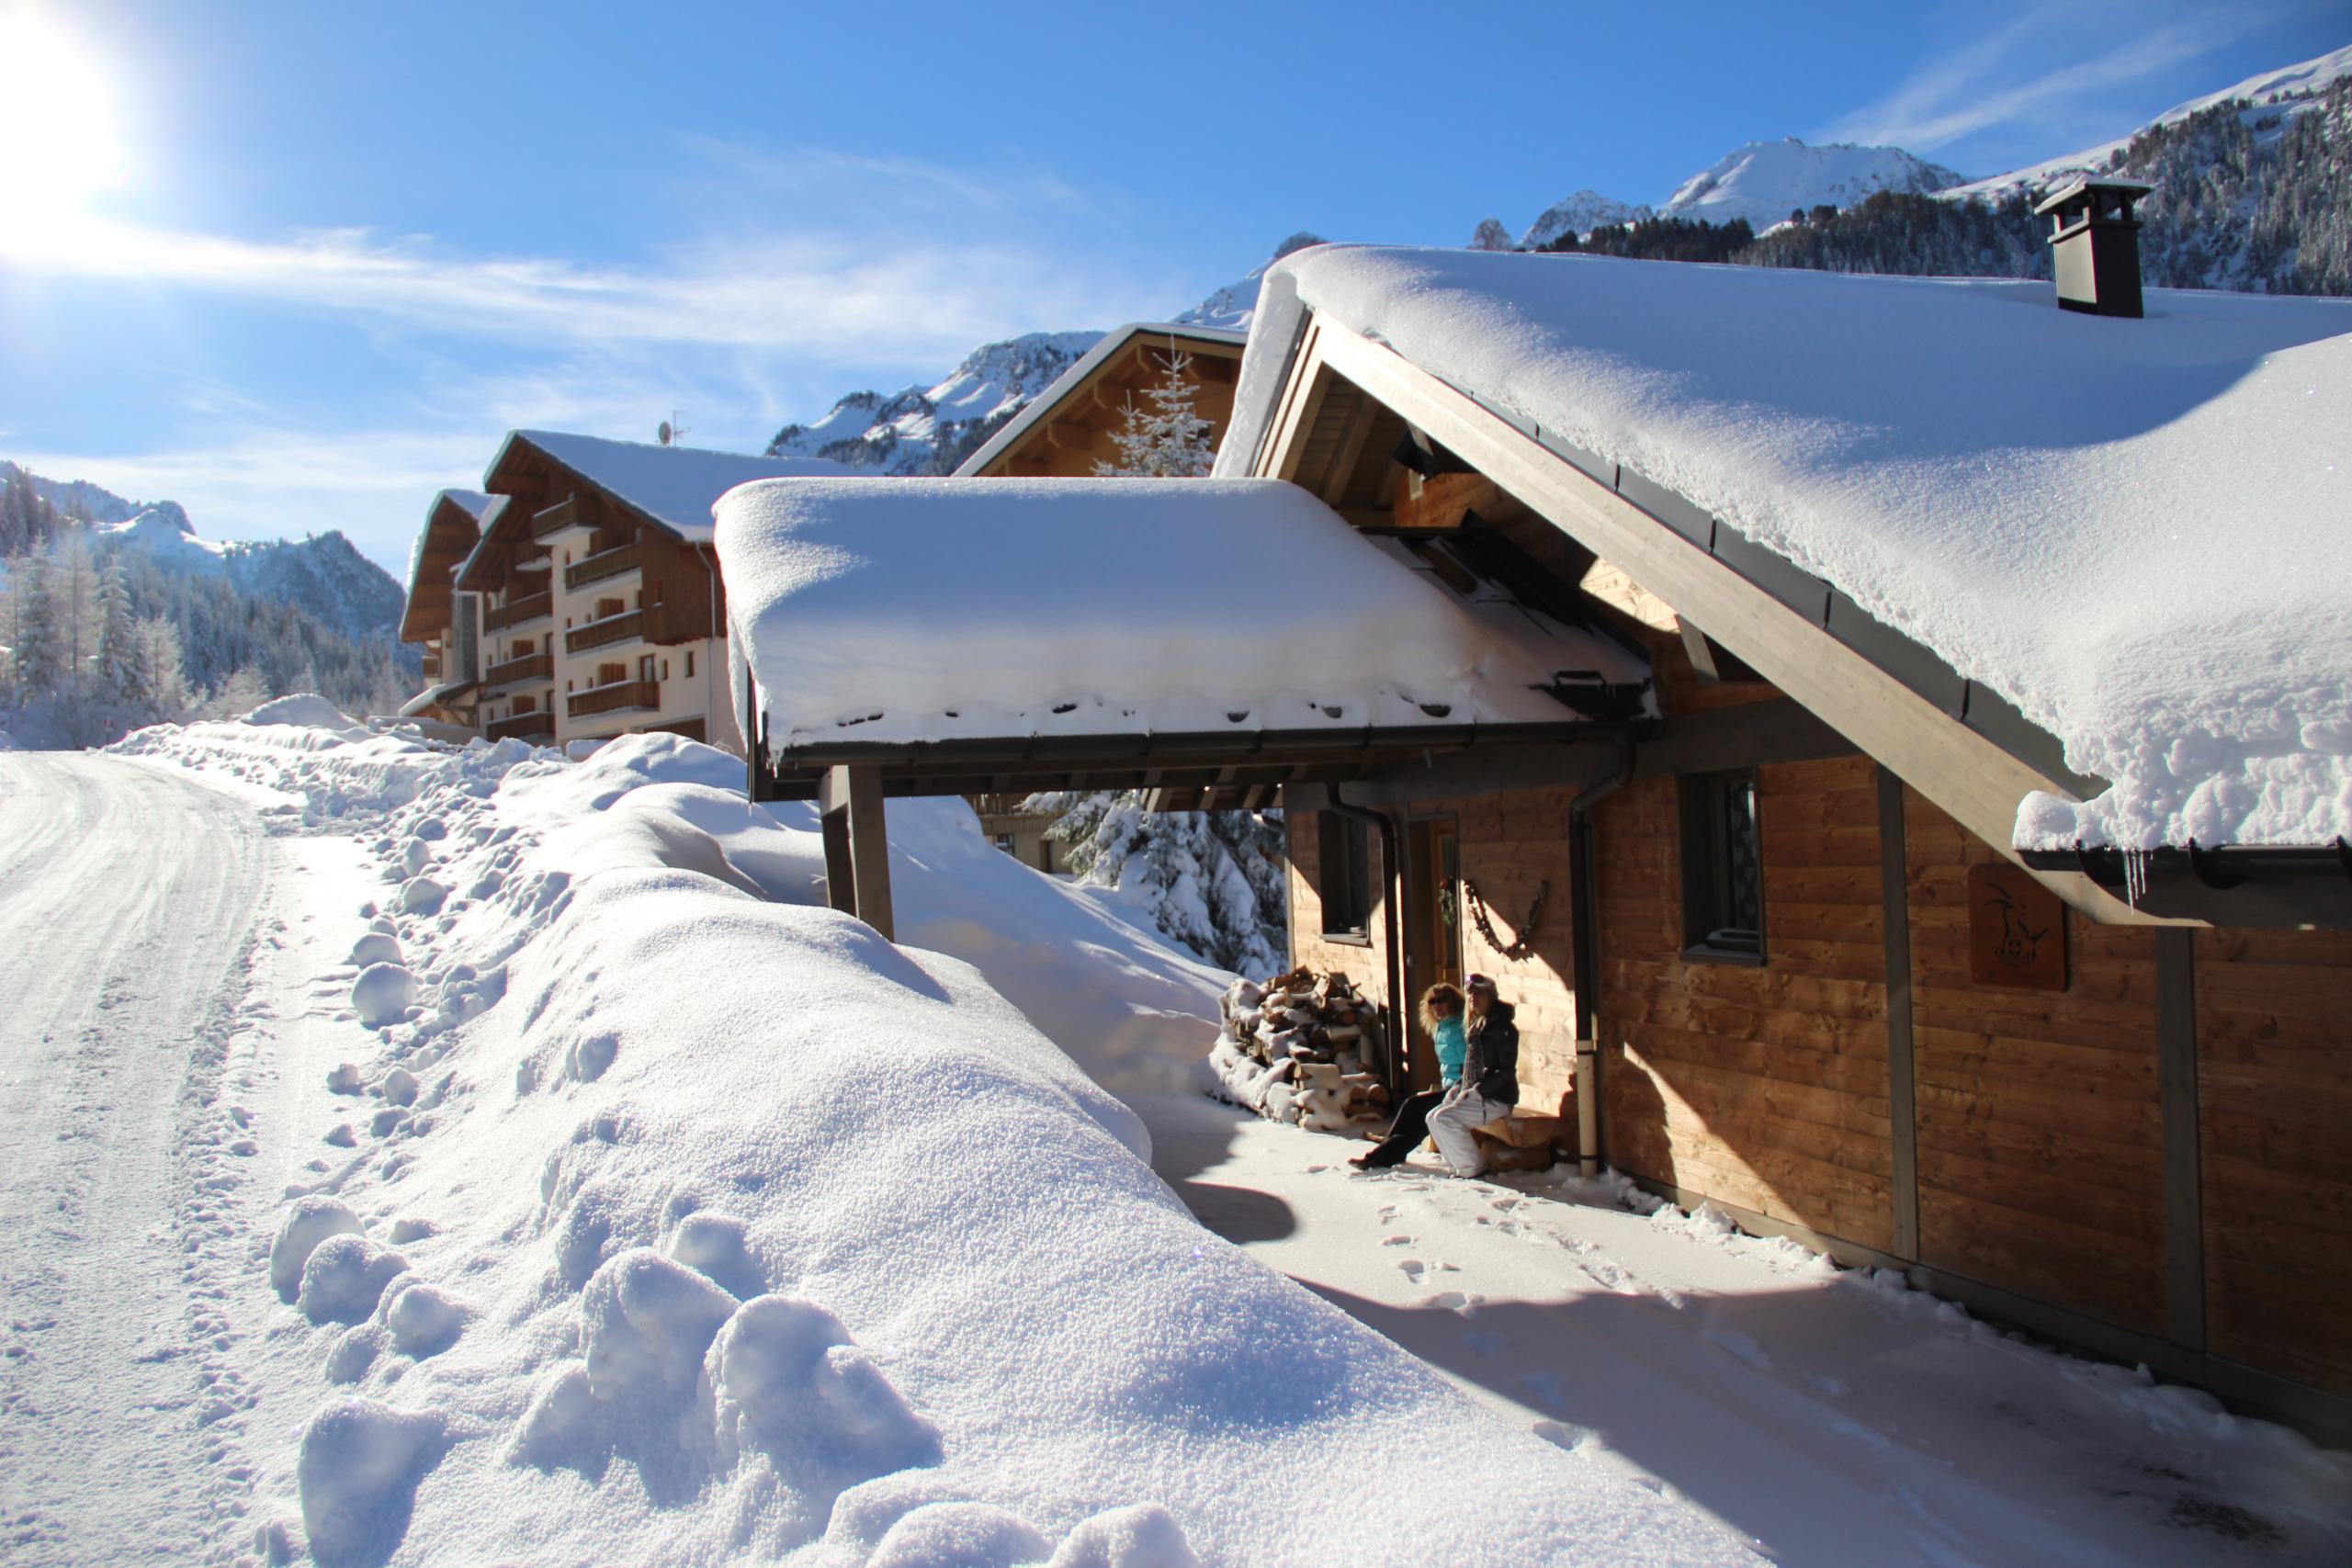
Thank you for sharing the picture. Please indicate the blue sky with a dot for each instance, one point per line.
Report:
(298, 264)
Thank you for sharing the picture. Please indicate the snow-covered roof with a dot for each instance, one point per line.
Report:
(674, 486)
(1112, 342)
(2135, 531)
(916, 610)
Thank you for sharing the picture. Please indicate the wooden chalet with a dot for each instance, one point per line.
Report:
(445, 623)
(1762, 905)
(1066, 430)
(601, 609)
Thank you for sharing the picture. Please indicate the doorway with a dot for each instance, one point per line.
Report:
(1432, 934)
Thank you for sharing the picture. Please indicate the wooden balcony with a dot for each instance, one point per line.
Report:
(564, 514)
(538, 725)
(625, 627)
(514, 612)
(603, 565)
(530, 667)
(614, 698)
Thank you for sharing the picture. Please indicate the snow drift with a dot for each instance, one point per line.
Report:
(748, 1234)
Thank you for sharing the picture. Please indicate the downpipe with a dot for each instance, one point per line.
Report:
(1584, 899)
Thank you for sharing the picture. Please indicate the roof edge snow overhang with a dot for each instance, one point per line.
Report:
(1956, 742)
(1078, 376)
(1200, 770)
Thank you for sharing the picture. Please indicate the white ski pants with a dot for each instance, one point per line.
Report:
(1452, 1124)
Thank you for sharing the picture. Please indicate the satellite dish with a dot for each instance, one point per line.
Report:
(663, 432)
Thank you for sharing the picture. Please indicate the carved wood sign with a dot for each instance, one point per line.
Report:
(2016, 929)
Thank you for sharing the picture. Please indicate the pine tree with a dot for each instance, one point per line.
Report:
(123, 676)
(1211, 880)
(165, 669)
(243, 691)
(1165, 437)
(40, 657)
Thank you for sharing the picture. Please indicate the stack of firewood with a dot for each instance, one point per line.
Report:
(1299, 1048)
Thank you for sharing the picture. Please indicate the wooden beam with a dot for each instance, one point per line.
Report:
(1974, 781)
(1902, 1076)
(1777, 729)
(2177, 1091)
(857, 844)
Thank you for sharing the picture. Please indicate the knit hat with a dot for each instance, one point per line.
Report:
(1479, 983)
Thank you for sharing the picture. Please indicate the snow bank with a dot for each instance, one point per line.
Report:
(2132, 530)
(919, 609)
(761, 1237)
(303, 708)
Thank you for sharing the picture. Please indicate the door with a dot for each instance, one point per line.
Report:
(1433, 932)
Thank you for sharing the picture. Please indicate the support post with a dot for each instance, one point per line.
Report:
(1902, 1079)
(2176, 1089)
(857, 844)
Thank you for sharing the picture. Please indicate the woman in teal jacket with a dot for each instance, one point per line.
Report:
(1441, 1007)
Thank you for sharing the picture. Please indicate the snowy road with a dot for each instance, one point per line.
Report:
(1820, 1418)
(127, 899)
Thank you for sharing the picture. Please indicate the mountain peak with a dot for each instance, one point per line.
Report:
(1579, 214)
(1763, 182)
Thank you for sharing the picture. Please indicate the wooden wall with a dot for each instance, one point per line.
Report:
(1367, 965)
(2040, 1133)
(2273, 1041)
(1764, 1086)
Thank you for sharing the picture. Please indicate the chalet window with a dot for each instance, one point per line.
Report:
(1723, 868)
(690, 664)
(645, 667)
(1345, 882)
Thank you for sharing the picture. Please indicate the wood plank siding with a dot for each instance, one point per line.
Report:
(1764, 1085)
(2273, 1042)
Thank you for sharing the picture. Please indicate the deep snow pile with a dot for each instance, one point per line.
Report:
(672, 1222)
(2143, 552)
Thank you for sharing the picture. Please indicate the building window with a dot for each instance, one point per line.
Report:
(645, 667)
(1002, 842)
(1345, 882)
(1723, 868)
(611, 674)
(690, 664)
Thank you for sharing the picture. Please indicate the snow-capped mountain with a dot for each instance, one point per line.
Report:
(928, 430)
(1490, 235)
(2282, 94)
(323, 575)
(1233, 305)
(1765, 181)
(1579, 214)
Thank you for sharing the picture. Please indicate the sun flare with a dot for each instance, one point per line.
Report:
(57, 141)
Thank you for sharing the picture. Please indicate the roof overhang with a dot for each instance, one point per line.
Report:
(451, 534)
(1200, 770)
(1953, 740)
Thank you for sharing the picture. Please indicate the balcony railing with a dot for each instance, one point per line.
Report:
(530, 667)
(625, 627)
(613, 698)
(602, 565)
(514, 612)
(564, 514)
(536, 725)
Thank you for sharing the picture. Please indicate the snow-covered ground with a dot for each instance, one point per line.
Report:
(660, 1214)
(1822, 1415)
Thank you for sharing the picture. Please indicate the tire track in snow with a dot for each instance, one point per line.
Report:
(127, 904)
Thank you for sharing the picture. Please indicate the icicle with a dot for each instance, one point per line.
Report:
(2135, 876)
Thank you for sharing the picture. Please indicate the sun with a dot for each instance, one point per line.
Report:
(58, 145)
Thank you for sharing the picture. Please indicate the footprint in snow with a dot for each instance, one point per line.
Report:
(1580, 1441)
(1414, 1269)
(1740, 1345)
(1396, 1241)
(1482, 1344)
(1463, 1301)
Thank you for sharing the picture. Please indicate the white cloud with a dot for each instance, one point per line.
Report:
(821, 300)
(1977, 88)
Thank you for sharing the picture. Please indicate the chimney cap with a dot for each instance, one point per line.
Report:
(2089, 186)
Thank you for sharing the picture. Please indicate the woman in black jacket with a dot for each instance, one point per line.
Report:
(1490, 1085)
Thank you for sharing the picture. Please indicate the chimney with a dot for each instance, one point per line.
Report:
(2095, 246)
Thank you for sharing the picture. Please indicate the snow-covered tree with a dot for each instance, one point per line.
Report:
(122, 677)
(243, 691)
(40, 655)
(165, 669)
(1211, 880)
(1163, 437)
